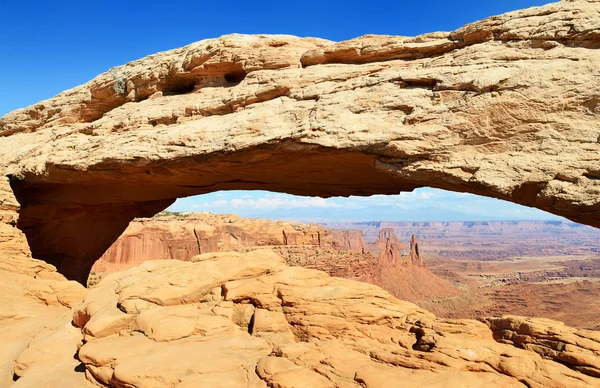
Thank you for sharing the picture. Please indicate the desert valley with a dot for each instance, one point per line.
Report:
(101, 285)
(459, 270)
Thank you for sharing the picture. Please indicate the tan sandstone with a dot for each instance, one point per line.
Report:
(506, 107)
(249, 320)
(37, 340)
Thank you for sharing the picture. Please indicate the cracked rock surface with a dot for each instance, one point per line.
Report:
(248, 320)
(506, 107)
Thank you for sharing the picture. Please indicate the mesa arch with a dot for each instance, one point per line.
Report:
(508, 107)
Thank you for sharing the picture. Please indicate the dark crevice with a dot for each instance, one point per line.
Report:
(428, 83)
(235, 77)
(197, 241)
(164, 121)
(251, 324)
(179, 86)
(594, 175)
(525, 383)
(80, 368)
(285, 240)
(419, 333)
(15, 377)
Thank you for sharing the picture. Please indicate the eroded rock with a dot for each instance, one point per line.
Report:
(181, 237)
(506, 107)
(249, 320)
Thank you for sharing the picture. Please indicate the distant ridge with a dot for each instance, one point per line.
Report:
(391, 213)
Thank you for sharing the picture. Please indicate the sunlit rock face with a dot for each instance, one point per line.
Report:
(234, 319)
(180, 237)
(507, 107)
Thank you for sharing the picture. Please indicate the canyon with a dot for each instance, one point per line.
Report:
(338, 252)
(506, 107)
(532, 268)
(473, 269)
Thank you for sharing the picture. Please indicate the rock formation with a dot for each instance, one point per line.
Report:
(415, 257)
(248, 320)
(35, 303)
(387, 247)
(182, 237)
(348, 240)
(339, 253)
(506, 107)
(12, 240)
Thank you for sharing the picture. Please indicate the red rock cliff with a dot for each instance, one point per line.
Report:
(347, 240)
(181, 237)
(415, 255)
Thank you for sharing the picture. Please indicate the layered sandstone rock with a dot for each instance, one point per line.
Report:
(248, 320)
(388, 248)
(181, 237)
(13, 242)
(35, 303)
(348, 240)
(506, 107)
(578, 349)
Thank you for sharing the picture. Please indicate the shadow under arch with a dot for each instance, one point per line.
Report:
(71, 217)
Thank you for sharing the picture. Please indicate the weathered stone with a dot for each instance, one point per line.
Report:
(181, 237)
(316, 331)
(506, 107)
(578, 348)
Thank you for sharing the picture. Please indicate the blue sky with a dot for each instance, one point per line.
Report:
(425, 204)
(47, 47)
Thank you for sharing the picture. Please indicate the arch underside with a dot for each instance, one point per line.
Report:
(70, 225)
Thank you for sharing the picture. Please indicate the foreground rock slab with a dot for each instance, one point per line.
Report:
(38, 341)
(507, 107)
(248, 320)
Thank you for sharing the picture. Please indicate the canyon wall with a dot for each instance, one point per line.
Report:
(347, 240)
(184, 236)
(489, 240)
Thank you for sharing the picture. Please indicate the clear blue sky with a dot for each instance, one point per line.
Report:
(50, 46)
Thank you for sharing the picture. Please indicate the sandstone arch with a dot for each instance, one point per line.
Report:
(508, 107)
